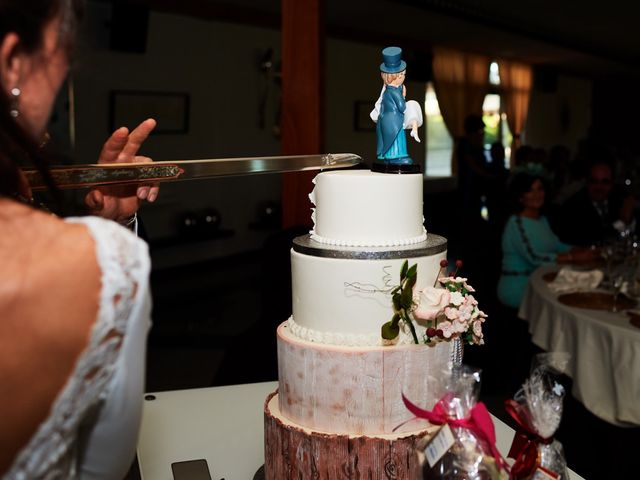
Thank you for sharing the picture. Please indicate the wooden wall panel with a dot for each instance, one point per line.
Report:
(302, 86)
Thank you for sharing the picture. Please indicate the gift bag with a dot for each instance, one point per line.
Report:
(537, 409)
(464, 447)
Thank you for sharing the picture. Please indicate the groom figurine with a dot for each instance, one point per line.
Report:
(393, 114)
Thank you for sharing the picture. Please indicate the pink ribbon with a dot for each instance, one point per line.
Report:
(479, 422)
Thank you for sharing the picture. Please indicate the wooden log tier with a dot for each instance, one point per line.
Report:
(293, 452)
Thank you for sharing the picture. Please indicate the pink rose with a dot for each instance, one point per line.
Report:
(431, 303)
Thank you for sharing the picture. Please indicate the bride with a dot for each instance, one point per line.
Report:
(74, 294)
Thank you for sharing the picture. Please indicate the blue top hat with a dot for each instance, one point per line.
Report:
(391, 58)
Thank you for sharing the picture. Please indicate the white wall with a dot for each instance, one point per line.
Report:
(217, 64)
(562, 117)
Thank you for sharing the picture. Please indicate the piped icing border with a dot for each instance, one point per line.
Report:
(344, 339)
(386, 243)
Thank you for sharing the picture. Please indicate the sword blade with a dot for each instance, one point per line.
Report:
(93, 175)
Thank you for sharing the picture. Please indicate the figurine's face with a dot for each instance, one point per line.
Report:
(393, 79)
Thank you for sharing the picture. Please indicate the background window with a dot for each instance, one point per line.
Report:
(439, 146)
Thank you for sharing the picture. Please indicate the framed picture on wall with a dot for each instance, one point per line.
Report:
(361, 120)
(170, 109)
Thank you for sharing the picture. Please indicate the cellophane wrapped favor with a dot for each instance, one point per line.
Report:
(537, 409)
(473, 454)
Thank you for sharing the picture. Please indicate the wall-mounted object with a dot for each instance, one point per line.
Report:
(129, 108)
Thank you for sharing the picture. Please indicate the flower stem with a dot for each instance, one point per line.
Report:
(405, 317)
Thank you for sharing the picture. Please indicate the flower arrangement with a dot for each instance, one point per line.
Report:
(447, 312)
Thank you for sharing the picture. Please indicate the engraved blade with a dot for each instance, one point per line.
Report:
(92, 175)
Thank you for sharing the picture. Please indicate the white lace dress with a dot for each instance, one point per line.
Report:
(92, 429)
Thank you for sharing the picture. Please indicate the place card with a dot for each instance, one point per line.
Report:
(440, 444)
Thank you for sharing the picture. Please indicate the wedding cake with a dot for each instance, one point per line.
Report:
(338, 411)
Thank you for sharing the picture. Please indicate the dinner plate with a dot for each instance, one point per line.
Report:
(596, 300)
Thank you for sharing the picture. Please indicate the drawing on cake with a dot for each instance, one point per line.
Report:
(370, 291)
(392, 113)
(447, 312)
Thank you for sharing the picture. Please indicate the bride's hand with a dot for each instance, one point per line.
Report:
(120, 202)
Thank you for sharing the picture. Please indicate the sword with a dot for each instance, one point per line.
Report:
(93, 175)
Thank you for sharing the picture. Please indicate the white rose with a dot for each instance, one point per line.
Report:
(432, 302)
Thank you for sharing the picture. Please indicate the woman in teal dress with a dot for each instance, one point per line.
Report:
(528, 241)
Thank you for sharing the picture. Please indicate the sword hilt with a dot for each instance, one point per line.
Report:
(95, 175)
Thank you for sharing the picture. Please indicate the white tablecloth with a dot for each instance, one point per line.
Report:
(224, 426)
(604, 348)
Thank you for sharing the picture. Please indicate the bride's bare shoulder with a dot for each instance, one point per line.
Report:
(49, 302)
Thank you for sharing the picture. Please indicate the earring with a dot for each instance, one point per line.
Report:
(13, 109)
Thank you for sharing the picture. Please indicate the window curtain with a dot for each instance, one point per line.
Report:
(461, 81)
(515, 87)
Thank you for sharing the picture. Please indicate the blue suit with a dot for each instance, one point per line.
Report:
(392, 142)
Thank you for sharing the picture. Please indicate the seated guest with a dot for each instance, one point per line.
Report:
(74, 294)
(528, 241)
(597, 212)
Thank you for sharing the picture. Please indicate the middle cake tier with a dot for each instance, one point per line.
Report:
(342, 295)
(358, 390)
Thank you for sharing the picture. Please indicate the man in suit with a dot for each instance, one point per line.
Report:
(597, 212)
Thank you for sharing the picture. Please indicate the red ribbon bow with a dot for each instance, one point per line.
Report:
(524, 448)
(479, 422)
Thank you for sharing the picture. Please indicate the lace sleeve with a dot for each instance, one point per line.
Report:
(56, 451)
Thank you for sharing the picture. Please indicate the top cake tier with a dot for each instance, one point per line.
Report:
(361, 208)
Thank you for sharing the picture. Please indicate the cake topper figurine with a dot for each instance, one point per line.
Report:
(393, 114)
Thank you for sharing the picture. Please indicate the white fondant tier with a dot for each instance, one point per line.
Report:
(345, 301)
(364, 208)
(357, 390)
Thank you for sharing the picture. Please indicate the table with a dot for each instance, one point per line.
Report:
(604, 348)
(223, 425)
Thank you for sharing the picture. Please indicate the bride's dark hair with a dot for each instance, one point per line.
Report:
(28, 19)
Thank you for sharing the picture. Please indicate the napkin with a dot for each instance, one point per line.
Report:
(569, 280)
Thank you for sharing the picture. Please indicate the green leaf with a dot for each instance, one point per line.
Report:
(411, 281)
(403, 270)
(390, 331)
(395, 319)
(396, 302)
(413, 271)
(407, 299)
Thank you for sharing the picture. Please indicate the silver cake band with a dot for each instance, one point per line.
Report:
(433, 245)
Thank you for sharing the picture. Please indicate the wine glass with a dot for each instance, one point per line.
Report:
(616, 282)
